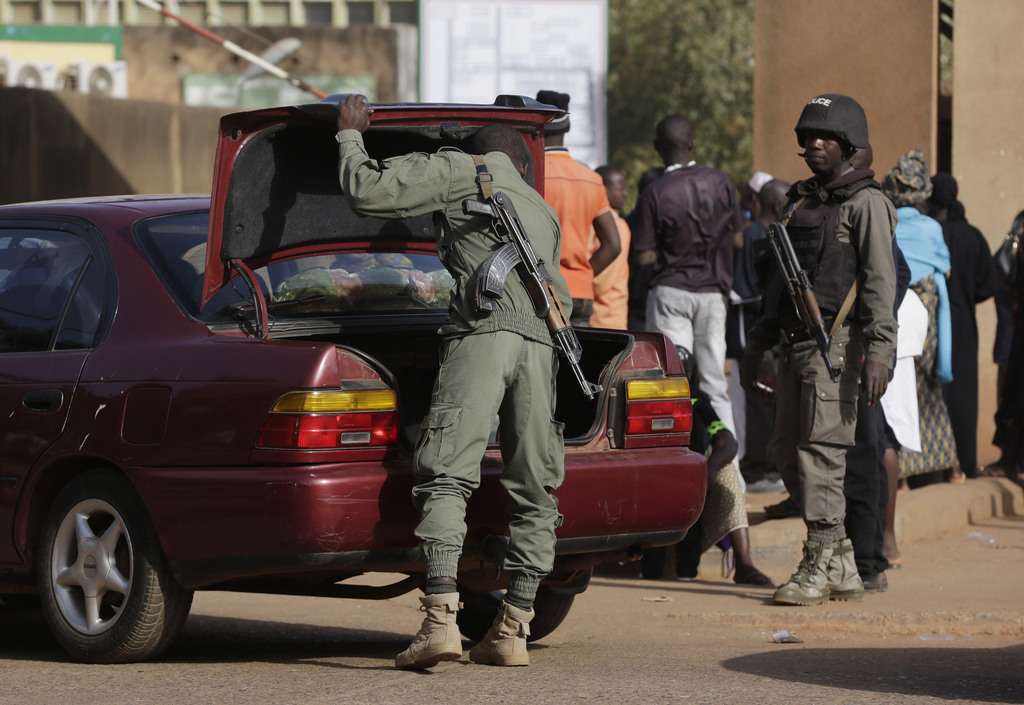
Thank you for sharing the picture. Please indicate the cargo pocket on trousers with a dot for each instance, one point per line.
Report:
(832, 419)
(436, 446)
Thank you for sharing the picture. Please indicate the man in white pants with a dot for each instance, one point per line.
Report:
(685, 224)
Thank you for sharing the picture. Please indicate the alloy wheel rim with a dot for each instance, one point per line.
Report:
(92, 567)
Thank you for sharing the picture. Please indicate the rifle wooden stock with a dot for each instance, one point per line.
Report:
(557, 320)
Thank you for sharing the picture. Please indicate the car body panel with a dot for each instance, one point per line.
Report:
(206, 516)
(37, 395)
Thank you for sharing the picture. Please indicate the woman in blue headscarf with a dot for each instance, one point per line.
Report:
(920, 238)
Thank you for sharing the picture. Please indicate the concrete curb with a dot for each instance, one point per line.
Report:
(928, 513)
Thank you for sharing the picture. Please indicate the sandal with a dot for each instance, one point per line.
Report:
(994, 470)
(749, 575)
(783, 510)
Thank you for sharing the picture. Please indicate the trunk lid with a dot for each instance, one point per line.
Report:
(276, 193)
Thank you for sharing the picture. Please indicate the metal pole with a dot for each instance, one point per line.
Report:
(236, 50)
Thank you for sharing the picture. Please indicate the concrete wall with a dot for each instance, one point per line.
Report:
(884, 53)
(63, 145)
(158, 57)
(988, 147)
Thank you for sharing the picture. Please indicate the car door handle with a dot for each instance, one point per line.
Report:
(43, 401)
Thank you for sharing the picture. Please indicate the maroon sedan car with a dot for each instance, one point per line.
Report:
(223, 392)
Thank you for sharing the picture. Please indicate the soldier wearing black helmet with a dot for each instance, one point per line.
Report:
(841, 226)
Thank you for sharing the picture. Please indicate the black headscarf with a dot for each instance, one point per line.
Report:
(944, 193)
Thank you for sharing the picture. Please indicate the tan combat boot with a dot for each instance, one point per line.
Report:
(505, 642)
(844, 581)
(438, 638)
(809, 584)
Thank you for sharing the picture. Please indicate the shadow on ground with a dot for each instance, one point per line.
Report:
(971, 674)
(209, 639)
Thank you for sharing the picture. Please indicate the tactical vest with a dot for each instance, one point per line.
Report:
(812, 228)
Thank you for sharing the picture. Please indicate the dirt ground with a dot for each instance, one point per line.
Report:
(950, 627)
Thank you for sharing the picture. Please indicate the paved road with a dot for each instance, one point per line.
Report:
(626, 641)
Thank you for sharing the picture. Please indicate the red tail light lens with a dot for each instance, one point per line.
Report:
(658, 406)
(336, 418)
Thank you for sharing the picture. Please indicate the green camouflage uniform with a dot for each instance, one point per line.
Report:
(815, 418)
(500, 363)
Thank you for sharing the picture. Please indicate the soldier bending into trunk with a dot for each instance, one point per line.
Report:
(500, 362)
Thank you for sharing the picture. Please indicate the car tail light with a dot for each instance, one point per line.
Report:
(331, 418)
(658, 407)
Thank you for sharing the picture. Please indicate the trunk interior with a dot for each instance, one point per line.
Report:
(409, 361)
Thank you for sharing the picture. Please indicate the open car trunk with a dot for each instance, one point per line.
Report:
(277, 204)
(408, 361)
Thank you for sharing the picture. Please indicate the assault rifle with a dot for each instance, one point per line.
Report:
(517, 253)
(802, 292)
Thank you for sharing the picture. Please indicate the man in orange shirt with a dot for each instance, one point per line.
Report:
(611, 287)
(577, 194)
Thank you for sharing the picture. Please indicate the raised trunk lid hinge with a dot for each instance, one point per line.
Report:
(258, 300)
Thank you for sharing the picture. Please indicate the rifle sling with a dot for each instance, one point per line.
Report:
(483, 177)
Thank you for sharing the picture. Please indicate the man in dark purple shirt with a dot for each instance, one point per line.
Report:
(684, 225)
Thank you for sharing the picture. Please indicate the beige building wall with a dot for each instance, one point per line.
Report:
(884, 53)
(988, 149)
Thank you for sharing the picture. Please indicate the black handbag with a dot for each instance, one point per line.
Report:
(1005, 258)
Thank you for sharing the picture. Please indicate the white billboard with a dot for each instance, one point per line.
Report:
(474, 50)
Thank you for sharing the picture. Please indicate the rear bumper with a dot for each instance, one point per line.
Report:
(314, 569)
(222, 524)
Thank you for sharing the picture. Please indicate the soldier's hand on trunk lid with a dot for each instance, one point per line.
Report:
(354, 113)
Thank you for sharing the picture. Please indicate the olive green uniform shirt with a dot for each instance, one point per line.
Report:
(419, 183)
(867, 220)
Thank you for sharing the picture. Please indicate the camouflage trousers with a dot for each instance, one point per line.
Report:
(483, 377)
(815, 423)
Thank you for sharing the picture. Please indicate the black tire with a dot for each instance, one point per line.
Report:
(551, 610)
(98, 538)
(478, 612)
(480, 608)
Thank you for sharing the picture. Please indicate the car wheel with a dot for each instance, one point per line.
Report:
(107, 591)
(480, 608)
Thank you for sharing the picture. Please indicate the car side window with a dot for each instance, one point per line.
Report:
(176, 245)
(39, 272)
(81, 324)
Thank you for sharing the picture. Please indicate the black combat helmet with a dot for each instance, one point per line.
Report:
(838, 115)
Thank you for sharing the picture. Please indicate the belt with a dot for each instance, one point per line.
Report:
(799, 334)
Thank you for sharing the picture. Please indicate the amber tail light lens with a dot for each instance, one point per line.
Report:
(335, 418)
(658, 406)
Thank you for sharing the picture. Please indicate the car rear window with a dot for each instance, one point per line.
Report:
(342, 281)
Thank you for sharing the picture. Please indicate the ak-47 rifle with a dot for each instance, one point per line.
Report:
(517, 253)
(802, 292)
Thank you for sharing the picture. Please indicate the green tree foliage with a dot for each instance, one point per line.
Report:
(690, 57)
